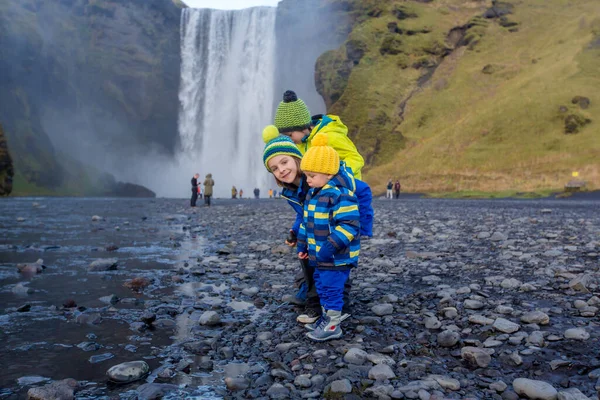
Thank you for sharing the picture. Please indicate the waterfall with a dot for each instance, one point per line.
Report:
(226, 95)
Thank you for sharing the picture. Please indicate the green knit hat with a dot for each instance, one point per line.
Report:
(292, 114)
(277, 145)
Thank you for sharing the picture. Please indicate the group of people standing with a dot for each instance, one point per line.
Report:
(319, 168)
(197, 189)
(393, 189)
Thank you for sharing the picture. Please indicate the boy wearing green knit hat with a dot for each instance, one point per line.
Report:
(293, 119)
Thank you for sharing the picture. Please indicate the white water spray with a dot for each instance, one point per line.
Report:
(226, 95)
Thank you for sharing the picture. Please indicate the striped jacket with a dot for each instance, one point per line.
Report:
(331, 224)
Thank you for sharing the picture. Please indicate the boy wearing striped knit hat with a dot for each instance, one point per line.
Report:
(329, 233)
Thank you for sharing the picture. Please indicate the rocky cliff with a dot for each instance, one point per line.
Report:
(6, 167)
(83, 76)
(454, 95)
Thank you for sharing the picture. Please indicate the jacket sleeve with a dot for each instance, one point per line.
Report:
(348, 153)
(346, 221)
(297, 222)
(301, 245)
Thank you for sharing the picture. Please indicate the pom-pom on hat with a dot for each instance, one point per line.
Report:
(277, 145)
(320, 157)
(269, 133)
(292, 114)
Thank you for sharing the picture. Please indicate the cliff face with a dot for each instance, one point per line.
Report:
(305, 29)
(454, 95)
(83, 76)
(6, 167)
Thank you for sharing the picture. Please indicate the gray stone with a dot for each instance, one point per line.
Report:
(475, 356)
(128, 371)
(448, 338)
(499, 386)
(210, 318)
(506, 326)
(446, 382)
(235, 384)
(577, 334)
(473, 304)
(341, 386)
(355, 356)
(63, 390)
(511, 283)
(153, 391)
(498, 237)
(381, 372)
(535, 389)
(572, 394)
(535, 317)
(278, 391)
(103, 264)
(303, 381)
(383, 309)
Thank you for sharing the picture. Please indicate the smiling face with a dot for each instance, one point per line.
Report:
(316, 179)
(284, 168)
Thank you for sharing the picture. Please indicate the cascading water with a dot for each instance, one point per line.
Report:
(226, 95)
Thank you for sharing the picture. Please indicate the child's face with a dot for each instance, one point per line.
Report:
(316, 179)
(285, 168)
(297, 136)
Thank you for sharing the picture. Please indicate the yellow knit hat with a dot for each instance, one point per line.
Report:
(320, 157)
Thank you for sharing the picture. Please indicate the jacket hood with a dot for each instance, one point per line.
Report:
(343, 178)
(328, 123)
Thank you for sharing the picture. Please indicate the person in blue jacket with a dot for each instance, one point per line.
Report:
(329, 235)
(282, 158)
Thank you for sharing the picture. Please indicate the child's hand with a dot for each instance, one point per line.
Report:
(291, 240)
(303, 256)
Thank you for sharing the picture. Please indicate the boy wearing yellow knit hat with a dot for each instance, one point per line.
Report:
(329, 233)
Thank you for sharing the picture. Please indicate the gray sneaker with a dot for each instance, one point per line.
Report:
(309, 316)
(313, 326)
(328, 327)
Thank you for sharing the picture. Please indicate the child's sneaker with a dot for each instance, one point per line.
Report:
(328, 327)
(313, 326)
(309, 316)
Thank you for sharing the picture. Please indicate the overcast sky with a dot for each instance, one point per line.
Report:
(229, 4)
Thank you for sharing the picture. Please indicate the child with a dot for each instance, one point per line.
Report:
(293, 119)
(329, 233)
(282, 158)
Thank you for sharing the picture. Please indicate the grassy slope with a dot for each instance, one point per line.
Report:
(472, 131)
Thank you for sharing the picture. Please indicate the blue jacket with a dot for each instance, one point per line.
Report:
(296, 198)
(330, 231)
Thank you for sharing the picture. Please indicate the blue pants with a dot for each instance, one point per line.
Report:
(364, 196)
(330, 287)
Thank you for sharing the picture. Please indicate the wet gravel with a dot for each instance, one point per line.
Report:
(452, 300)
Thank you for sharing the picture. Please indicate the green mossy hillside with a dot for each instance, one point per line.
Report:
(454, 95)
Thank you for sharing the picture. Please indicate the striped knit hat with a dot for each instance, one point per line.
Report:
(292, 114)
(277, 145)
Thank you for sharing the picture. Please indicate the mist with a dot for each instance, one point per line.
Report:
(103, 81)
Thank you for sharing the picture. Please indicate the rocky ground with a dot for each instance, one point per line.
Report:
(452, 300)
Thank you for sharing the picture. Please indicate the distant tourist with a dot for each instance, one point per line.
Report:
(390, 186)
(270, 193)
(233, 192)
(194, 190)
(256, 193)
(208, 189)
(241, 193)
(199, 191)
(397, 189)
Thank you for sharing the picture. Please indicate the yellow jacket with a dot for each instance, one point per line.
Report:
(337, 134)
